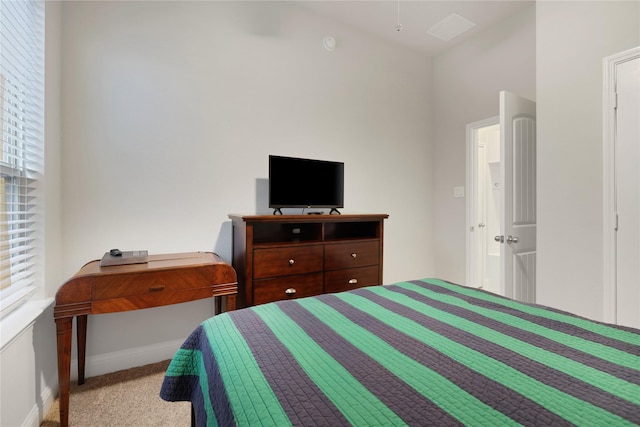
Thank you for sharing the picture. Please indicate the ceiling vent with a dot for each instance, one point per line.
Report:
(450, 27)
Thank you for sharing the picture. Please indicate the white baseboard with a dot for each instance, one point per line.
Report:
(130, 358)
(37, 413)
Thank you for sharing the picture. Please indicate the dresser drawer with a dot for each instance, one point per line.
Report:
(286, 261)
(286, 287)
(351, 278)
(348, 255)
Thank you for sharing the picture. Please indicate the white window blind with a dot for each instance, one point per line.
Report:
(21, 159)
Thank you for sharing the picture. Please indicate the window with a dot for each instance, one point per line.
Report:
(21, 156)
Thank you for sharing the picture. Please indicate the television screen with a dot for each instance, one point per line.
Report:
(305, 183)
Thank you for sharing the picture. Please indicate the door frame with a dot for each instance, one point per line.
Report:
(472, 172)
(610, 218)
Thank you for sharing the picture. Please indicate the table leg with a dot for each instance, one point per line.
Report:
(231, 302)
(64, 333)
(217, 305)
(81, 323)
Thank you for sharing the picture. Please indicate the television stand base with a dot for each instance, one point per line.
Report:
(277, 211)
(331, 212)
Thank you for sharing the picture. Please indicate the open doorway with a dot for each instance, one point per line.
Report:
(484, 210)
(507, 197)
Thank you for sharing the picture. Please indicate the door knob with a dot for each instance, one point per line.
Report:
(511, 239)
(499, 239)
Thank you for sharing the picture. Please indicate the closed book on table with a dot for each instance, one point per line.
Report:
(127, 257)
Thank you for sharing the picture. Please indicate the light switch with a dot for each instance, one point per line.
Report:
(458, 191)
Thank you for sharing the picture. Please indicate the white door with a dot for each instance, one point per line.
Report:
(518, 169)
(627, 194)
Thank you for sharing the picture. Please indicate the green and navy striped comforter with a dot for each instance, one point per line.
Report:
(424, 352)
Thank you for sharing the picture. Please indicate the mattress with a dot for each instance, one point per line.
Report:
(422, 352)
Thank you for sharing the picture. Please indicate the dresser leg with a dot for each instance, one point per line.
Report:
(81, 323)
(64, 333)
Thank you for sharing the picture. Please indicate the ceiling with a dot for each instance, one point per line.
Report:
(380, 18)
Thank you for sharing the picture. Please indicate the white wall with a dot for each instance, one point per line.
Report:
(169, 112)
(467, 80)
(572, 40)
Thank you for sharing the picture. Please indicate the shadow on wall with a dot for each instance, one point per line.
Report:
(262, 197)
(224, 243)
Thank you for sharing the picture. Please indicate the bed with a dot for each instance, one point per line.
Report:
(422, 352)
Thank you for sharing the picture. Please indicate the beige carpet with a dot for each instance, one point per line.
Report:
(123, 398)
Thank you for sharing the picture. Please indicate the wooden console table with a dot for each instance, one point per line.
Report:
(163, 280)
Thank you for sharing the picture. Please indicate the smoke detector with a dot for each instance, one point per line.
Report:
(329, 43)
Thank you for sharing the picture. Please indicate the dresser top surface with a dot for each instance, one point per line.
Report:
(309, 218)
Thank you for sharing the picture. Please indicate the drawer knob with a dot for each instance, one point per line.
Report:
(353, 281)
(157, 288)
(291, 262)
(290, 291)
(353, 255)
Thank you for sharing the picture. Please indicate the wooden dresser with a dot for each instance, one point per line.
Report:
(280, 257)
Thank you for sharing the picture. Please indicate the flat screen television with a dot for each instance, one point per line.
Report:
(305, 183)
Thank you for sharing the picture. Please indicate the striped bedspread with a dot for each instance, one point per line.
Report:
(424, 352)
